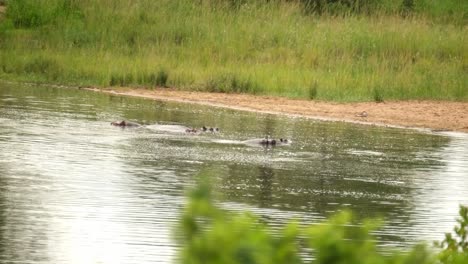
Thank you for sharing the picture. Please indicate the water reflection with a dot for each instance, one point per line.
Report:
(75, 189)
(441, 190)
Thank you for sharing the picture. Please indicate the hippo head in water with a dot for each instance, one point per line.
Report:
(273, 142)
(211, 129)
(124, 123)
(268, 142)
(116, 123)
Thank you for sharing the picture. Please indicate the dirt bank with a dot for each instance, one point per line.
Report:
(433, 115)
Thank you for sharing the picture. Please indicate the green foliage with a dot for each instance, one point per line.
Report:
(328, 240)
(154, 79)
(5, 27)
(438, 8)
(455, 249)
(313, 89)
(451, 11)
(211, 235)
(378, 97)
(33, 13)
(47, 67)
(230, 83)
(117, 79)
(161, 78)
(341, 6)
(407, 5)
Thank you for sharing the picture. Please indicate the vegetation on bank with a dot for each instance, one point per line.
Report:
(211, 235)
(341, 50)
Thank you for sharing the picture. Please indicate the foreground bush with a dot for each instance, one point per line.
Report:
(455, 249)
(211, 235)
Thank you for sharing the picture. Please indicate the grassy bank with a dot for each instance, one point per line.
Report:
(341, 52)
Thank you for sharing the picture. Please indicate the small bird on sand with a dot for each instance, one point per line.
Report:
(362, 114)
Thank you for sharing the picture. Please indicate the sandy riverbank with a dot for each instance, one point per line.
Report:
(434, 115)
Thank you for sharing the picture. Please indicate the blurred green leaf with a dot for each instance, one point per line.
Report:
(212, 235)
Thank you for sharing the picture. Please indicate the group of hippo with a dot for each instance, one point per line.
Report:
(272, 142)
(174, 128)
(267, 141)
(203, 129)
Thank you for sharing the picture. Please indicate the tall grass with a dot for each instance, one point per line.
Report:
(262, 47)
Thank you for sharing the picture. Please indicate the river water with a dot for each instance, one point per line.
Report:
(74, 189)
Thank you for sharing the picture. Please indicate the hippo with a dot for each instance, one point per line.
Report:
(124, 123)
(191, 130)
(268, 142)
(202, 129)
(211, 129)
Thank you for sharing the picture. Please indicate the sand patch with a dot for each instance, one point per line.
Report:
(434, 115)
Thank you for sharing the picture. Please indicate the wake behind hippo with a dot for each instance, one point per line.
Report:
(124, 123)
(168, 128)
(175, 128)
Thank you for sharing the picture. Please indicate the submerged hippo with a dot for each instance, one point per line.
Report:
(202, 129)
(124, 123)
(176, 128)
(211, 129)
(268, 142)
(191, 130)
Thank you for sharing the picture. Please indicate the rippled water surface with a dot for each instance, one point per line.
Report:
(74, 189)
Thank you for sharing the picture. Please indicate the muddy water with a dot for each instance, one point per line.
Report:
(74, 189)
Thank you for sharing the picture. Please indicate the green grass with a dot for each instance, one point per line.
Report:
(377, 52)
